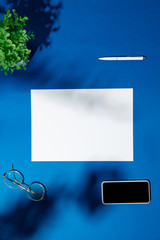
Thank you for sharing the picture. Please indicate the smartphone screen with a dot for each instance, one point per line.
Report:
(131, 191)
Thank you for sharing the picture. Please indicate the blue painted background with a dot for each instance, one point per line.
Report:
(73, 210)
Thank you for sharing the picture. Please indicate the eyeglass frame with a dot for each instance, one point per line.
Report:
(23, 185)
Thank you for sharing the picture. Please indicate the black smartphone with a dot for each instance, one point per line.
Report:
(128, 191)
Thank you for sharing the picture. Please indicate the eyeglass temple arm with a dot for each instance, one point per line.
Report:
(14, 174)
(42, 190)
(10, 180)
(25, 188)
(12, 166)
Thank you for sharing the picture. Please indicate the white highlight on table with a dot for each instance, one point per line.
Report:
(82, 125)
(123, 58)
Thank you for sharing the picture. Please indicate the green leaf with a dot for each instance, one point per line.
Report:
(17, 67)
(7, 34)
(8, 11)
(8, 43)
(12, 70)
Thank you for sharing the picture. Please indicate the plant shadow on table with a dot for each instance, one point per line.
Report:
(89, 197)
(42, 20)
(26, 218)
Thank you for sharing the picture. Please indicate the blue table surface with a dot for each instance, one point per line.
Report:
(73, 210)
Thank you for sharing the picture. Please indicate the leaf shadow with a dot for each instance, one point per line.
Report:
(26, 218)
(90, 196)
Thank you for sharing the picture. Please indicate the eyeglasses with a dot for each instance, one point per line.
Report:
(14, 179)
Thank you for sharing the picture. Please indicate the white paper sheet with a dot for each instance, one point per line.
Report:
(82, 125)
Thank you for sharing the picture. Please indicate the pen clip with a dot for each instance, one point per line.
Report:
(135, 56)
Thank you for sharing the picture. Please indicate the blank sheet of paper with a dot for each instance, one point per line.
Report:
(82, 125)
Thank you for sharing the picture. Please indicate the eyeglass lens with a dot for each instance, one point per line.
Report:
(36, 191)
(12, 177)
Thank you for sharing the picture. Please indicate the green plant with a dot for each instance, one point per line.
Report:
(14, 53)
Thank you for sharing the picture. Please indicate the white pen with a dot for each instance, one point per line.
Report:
(133, 57)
